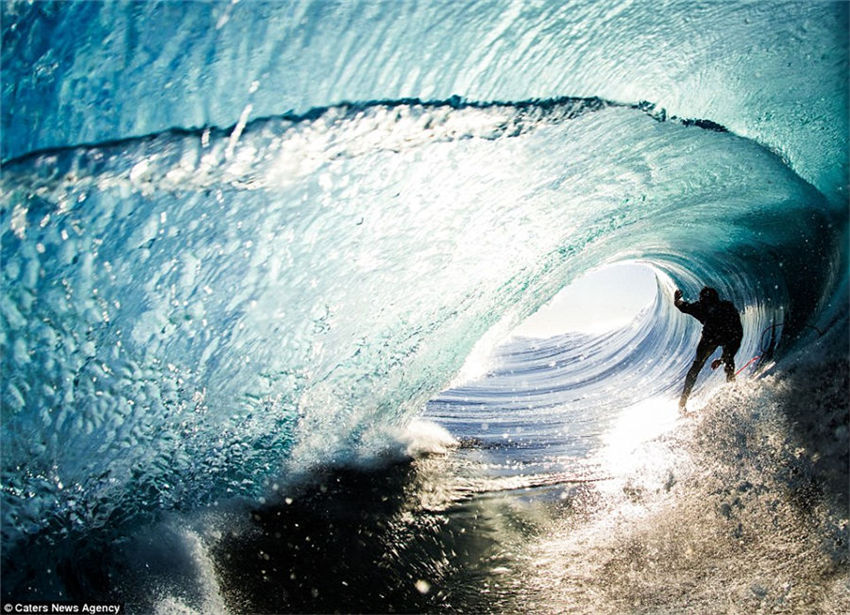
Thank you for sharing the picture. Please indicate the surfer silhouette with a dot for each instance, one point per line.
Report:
(721, 326)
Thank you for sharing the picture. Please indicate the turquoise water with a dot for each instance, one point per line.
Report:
(240, 241)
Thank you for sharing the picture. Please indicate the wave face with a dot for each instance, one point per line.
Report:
(189, 312)
(776, 74)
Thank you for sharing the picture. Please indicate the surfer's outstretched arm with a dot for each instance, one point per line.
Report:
(693, 309)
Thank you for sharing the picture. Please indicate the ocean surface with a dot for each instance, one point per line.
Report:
(262, 263)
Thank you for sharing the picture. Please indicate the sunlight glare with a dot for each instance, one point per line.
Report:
(627, 445)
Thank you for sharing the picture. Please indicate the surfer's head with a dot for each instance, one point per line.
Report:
(709, 295)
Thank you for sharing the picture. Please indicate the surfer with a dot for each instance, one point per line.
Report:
(721, 326)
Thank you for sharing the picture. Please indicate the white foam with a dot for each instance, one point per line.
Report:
(423, 438)
(172, 562)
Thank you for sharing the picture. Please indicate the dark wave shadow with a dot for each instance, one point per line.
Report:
(361, 541)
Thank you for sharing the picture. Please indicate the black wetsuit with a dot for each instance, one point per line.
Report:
(721, 327)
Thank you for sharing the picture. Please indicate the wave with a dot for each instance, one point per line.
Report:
(243, 246)
(186, 313)
(195, 318)
(155, 66)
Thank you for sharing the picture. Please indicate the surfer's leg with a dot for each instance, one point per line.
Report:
(729, 351)
(704, 350)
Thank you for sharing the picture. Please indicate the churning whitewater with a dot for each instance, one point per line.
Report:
(261, 267)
